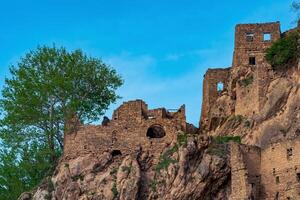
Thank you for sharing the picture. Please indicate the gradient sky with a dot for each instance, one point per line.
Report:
(161, 48)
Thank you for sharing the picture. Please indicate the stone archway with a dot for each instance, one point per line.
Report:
(156, 131)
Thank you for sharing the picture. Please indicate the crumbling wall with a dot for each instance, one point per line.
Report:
(280, 170)
(245, 172)
(251, 90)
(211, 93)
(127, 131)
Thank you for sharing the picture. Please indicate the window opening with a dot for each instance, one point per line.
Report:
(267, 36)
(252, 60)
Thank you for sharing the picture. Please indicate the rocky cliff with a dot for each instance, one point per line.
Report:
(278, 118)
(192, 167)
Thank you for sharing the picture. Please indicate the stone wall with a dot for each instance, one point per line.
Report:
(211, 93)
(250, 42)
(127, 132)
(245, 172)
(280, 170)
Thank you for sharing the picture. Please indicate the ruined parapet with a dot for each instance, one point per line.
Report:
(211, 92)
(245, 172)
(132, 128)
(131, 110)
(280, 170)
(251, 41)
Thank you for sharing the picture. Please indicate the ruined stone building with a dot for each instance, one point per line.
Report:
(132, 126)
(251, 41)
(265, 170)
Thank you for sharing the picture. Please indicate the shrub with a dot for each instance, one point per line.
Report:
(153, 185)
(182, 139)
(165, 159)
(283, 51)
(226, 139)
(127, 169)
(246, 81)
(113, 171)
(164, 163)
(217, 149)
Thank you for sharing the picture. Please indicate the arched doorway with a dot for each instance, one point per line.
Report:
(156, 131)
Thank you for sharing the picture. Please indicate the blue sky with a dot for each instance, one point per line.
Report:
(161, 48)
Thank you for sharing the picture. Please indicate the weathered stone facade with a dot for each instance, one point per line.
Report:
(133, 126)
(246, 82)
(271, 169)
(269, 173)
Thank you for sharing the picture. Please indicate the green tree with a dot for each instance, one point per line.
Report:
(46, 89)
(21, 171)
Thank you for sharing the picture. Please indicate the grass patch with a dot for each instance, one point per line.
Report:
(114, 190)
(217, 149)
(113, 171)
(182, 139)
(246, 81)
(218, 146)
(165, 159)
(127, 169)
(153, 185)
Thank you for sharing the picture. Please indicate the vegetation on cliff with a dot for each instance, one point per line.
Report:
(284, 51)
(46, 88)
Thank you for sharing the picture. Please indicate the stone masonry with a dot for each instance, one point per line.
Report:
(272, 171)
(132, 127)
(245, 83)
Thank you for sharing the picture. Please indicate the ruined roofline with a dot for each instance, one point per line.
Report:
(218, 69)
(258, 24)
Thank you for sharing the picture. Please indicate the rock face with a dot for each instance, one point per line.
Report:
(188, 169)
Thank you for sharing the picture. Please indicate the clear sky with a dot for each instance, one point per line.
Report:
(162, 48)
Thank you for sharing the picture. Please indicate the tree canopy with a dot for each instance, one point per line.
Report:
(47, 87)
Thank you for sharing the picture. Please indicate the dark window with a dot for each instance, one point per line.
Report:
(249, 37)
(156, 131)
(298, 177)
(274, 171)
(289, 153)
(115, 153)
(267, 36)
(277, 180)
(277, 196)
(252, 60)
